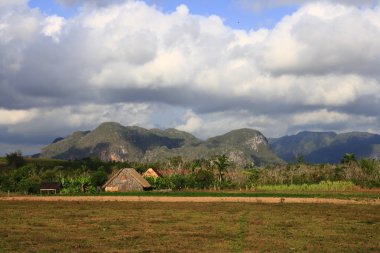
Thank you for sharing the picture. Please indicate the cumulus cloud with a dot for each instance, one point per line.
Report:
(89, 2)
(11, 117)
(192, 124)
(130, 62)
(258, 5)
(52, 27)
(320, 39)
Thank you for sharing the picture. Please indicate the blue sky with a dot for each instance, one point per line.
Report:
(235, 14)
(277, 66)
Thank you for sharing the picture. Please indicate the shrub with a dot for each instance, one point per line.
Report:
(203, 179)
(368, 166)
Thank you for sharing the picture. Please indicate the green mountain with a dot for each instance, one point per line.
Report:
(112, 141)
(326, 147)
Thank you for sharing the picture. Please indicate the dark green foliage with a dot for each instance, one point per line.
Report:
(50, 175)
(367, 165)
(254, 176)
(24, 179)
(221, 164)
(160, 183)
(348, 158)
(77, 184)
(203, 179)
(29, 184)
(15, 159)
(78, 175)
(99, 177)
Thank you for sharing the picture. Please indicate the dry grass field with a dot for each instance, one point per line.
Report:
(187, 227)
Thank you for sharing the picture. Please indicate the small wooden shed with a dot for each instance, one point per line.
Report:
(50, 188)
(152, 173)
(126, 179)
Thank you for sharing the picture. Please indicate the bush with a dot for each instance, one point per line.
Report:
(202, 179)
(368, 166)
(98, 178)
(29, 185)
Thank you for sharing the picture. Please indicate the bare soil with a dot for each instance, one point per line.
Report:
(191, 199)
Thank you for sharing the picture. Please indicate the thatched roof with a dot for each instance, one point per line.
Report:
(139, 178)
(133, 173)
(151, 170)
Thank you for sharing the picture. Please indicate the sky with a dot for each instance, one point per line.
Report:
(205, 67)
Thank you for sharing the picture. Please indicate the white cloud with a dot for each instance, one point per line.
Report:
(52, 27)
(11, 117)
(18, 27)
(124, 62)
(4, 4)
(323, 38)
(182, 9)
(316, 116)
(192, 124)
(258, 5)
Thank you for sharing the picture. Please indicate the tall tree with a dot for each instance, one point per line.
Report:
(222, 165)
(15, 159)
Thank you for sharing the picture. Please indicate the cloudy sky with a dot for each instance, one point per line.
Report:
(205, 67)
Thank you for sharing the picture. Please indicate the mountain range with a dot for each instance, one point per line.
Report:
(326, 147)
(113, 142)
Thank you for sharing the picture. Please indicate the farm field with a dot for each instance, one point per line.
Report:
(187, 227)
(364, 194)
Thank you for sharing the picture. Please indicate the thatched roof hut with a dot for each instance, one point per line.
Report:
(126, 179)
(152, 173)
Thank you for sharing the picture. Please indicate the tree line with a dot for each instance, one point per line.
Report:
(19, 174)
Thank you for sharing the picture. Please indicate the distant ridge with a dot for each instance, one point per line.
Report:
(326, 147)
(112, 141)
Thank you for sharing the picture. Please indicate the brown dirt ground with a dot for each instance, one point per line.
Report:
(192, 199)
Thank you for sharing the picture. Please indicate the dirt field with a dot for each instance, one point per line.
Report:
(191, 199)
(121, 226)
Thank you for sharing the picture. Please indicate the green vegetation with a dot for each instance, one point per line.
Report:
(187, 227)
(221, 164)
(15, 159)
(322, 186)
(3, 161)
(87, 175)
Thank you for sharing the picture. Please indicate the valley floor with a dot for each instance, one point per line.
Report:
(131, 226)
(272, 200)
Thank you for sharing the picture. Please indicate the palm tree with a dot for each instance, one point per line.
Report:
(348, 158)
(222, 165)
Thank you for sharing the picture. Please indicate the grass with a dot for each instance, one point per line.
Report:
(187, 227)
(322, 186)
(290, 194)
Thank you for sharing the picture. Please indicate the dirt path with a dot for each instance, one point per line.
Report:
(192, 199)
